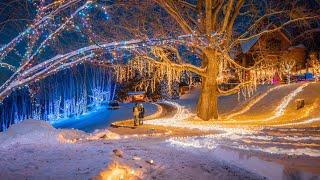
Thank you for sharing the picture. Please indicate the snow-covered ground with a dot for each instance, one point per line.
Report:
(242, 144)
(102, 117)
(35, 150)
(245, 134)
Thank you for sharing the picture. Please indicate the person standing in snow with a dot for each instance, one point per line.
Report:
(136, 114)
(141, 114)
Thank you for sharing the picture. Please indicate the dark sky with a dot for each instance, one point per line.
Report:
(16, 14)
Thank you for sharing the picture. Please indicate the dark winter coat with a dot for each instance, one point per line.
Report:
(141, 115)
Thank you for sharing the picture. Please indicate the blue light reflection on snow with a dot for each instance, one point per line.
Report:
(100, 117)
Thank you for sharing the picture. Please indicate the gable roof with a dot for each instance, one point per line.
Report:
(248, 44)
(136, 92)
(300, 46)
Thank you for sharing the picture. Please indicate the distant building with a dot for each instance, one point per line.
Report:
(184, 89)
(136, 96)
(272, 47)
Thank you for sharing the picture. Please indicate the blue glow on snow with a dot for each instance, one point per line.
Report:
(68, 94)
(100, 117)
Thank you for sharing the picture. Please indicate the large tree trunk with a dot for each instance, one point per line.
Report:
(208, 101)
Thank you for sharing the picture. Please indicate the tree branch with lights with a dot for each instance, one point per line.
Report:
(211, 30)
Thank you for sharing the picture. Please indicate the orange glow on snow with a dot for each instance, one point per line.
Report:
(117, 171)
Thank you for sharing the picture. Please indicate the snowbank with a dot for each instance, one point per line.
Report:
(41, 132)
(103, 134)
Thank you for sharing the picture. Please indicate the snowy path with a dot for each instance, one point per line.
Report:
(277, 112)
(35, 150)
(239, 138)
(101, 118)
(302, 142)
(218, 150)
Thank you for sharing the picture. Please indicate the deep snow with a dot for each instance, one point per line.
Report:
(182, 147)
(35, 150)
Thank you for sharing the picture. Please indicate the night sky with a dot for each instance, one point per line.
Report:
(15, 15)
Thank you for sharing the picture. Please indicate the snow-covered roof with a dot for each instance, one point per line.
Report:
(136, 92)
(246, 45)
(297, 46)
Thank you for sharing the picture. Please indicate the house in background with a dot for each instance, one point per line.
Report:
(136, 96)
(273, 47)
